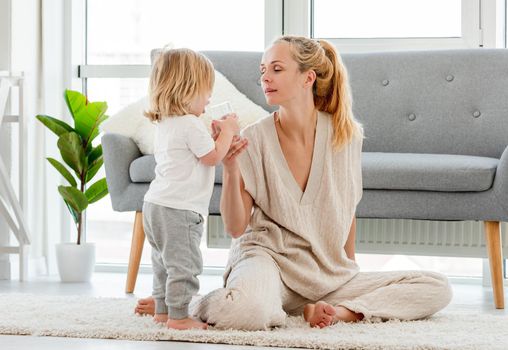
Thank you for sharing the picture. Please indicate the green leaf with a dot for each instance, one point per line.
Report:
(63, 170)
(93, 169)
(103, 118)
(71, 149)
(74, 99)
(74, 198)
(74, 214)
(97, 191)
(95, 154)
(87, 115)
(89, 149)
(57, 126)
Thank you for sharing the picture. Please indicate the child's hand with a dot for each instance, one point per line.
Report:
(217, 124)
(215, 130)
(230, 122)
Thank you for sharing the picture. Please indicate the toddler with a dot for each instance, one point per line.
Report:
(177, 201)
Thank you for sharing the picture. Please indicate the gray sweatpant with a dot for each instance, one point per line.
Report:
(174, 235)
(255, 298)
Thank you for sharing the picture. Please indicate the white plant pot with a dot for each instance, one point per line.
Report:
(75, 262)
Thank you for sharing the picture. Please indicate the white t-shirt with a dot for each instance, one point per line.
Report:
(181, 180)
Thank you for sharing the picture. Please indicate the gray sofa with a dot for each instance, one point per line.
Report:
(436, 125)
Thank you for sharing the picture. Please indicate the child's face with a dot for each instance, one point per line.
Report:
(197, 106)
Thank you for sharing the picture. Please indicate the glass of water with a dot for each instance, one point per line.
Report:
(219, 110)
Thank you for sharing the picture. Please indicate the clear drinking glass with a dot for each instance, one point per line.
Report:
(219, 110)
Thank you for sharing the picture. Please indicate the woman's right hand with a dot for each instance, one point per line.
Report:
(238, 145)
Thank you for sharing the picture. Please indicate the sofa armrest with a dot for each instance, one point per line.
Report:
(119, 151)
(500, 186)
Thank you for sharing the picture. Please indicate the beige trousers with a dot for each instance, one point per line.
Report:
(255, 297)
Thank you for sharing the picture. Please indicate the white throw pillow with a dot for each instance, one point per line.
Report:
(131, 122)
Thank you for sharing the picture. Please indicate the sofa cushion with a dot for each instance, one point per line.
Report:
(142, 169)
(432, 101)
(392, 171)
(427, 172)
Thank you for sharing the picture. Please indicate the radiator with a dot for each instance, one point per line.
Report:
(397, 236)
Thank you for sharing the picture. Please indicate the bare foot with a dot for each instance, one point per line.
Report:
(160, 318)
(320, 314)
(323, 314)
(186, 323)
(145, 306)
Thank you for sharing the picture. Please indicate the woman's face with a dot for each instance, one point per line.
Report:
(281, 79)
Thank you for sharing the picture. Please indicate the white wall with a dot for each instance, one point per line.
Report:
(54, 72)
(5, 148)
(20, 53)
(5, 34)
(26, 58)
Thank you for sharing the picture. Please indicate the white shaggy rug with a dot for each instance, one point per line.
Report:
(113, 318)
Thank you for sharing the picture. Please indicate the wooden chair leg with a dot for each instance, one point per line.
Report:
(493, 240)
(138, 239)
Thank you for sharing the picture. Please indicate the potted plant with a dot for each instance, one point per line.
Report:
(76, 261)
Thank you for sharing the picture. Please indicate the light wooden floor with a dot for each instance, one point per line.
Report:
(467, 296)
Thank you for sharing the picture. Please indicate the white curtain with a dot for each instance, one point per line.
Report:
(62, 50)
(21, 42)
(40, 44)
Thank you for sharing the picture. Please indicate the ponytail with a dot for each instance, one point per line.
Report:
(336, 100)
(331, 90)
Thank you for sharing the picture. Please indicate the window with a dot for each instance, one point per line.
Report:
(117, 92)
(384, 25)
(386, 19)
(123, 32)
(111, 230)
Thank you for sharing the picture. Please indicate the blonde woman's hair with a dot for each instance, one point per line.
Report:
(331, 90)
(178, 77)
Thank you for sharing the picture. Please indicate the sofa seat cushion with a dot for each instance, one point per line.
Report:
(427, 172)
(142, 169)
(392, 171)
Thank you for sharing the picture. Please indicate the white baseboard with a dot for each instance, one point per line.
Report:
(122, 268)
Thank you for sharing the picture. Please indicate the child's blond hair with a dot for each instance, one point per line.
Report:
(178, 77)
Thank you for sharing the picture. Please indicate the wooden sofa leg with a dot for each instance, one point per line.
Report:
(493, 240)
(138, 239)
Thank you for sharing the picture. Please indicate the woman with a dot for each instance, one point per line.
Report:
(290, 199)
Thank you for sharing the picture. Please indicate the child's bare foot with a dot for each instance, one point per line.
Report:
(145, 306)
(160, 318)
(323, 314)
(186, 323)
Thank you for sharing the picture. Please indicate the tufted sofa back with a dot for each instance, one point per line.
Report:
(449, 101)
